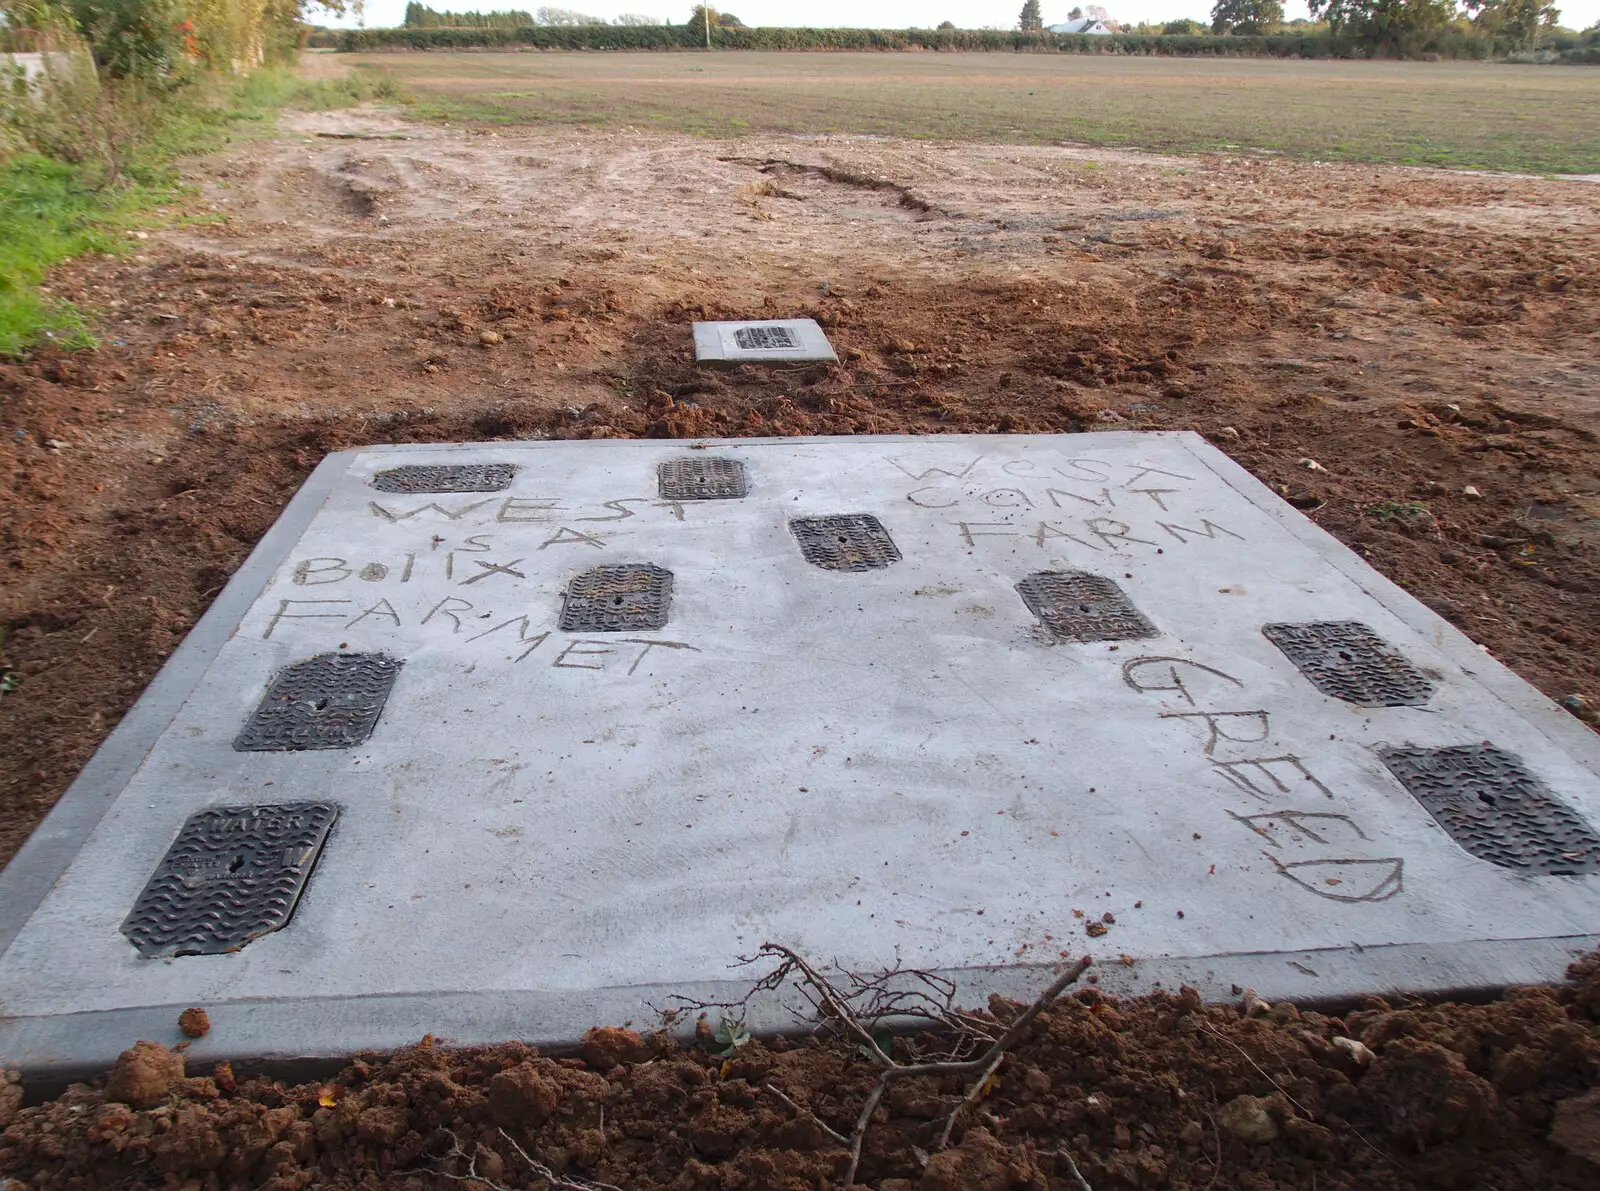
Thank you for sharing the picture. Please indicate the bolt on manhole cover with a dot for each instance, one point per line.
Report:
(851, 542)
(233, 874)
(446, 477)
(618, 599)
(1496, 809)
(701, 479)
(1079, 606)
(331, 701)
(1347, 660)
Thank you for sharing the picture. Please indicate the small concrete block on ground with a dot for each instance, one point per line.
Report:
(507, 740)
(772, 341)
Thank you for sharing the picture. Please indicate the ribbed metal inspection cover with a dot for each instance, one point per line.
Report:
(852, 542)
(331, 701)
(768, 337)
(1496, 809)
(1347, 660)
(1080, 606)
(233, 874)
(702, 479)
(446, 477)
(628, 597)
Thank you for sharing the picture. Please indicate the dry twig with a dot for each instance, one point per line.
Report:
(560, 1182)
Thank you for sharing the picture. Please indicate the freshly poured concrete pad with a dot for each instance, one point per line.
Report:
(537, 746)
(770, 341)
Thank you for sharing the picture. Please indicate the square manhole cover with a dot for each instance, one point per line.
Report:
(1496, 809)
(851, 542)
(445, 477)
(331, 701)
(769, 341)
(233, 874)
(1078, 606)
(1346, 660)
(701, 479)
(630, 597)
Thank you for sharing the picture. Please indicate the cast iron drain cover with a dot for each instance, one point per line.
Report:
(1495, 809)
(852, 542)
(331, 701)
(701, 479)
(233, 874)
(1347, 660)
(446, 477)
(618, 599)
(1078, 606)
(770, 339)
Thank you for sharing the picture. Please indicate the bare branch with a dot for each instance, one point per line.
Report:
(806, 1112)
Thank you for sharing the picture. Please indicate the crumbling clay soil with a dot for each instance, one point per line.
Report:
(1161, 1092)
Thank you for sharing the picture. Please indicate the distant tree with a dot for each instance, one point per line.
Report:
(947, 25)
(633, 18)
(1075, 15)
(1182, 28)
(1030, 21)
(1095, 13)
(564, 16)
(1519, 23)
(1246, 17)
(719, 20)
(1383, 25)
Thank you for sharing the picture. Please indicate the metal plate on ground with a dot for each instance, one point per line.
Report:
(768, 341)
(1346, 660)
(1496, 809)
(702, 479)
(331, 701)
(233, 874)
(446, 477)
(1078, 606)
(630, 598)
(563, 818)
(851, 542)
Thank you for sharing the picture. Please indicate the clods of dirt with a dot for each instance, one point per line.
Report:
(1158, 1092)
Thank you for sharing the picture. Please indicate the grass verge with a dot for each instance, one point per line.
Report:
(52, 210)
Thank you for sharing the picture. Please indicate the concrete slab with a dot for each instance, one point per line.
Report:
(568, 746)
(770, 341)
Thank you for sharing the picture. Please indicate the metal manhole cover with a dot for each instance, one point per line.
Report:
(1079, 606)
(1347, 660)
(766, 338)
(331, 701)
(701, 479)
(233, 874)
(618, 599)
(446, 477)
(1497, 810)
(851, 542)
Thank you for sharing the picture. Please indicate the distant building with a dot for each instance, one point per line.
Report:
(1090, 25)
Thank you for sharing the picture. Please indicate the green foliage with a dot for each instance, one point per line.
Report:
(1247, 17)
(1394, 28)
(1183, 28)
(1399, 510)
(420, 16)
(1030, 21)
(732, 1035)
(1517, 25)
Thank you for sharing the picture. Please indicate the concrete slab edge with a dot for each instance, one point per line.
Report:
(53, 1050)
(41, 860)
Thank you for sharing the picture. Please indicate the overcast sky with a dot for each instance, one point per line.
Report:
(885, 14)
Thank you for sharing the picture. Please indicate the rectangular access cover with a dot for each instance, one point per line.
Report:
(850, 542)
(1346, 660)
(628, 598)
(233, 874)
(445, 477)
(1496, 809)
(1078, 606)
(773, 341)
(702, 479)
(331, 701)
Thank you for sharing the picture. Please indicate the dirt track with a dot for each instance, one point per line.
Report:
(1415, 333)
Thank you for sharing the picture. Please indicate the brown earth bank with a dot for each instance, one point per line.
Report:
(1159, 1092)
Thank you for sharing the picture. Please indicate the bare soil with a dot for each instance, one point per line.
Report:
(1157, 1093)
(1431, 340)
